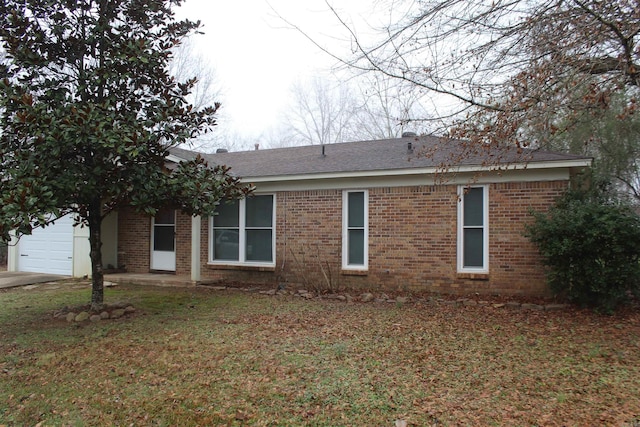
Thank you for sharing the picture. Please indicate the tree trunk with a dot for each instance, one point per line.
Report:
(95, 241)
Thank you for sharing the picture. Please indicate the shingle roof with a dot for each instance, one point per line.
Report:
(376, 155)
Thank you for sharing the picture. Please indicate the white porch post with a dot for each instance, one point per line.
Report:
(196, 226)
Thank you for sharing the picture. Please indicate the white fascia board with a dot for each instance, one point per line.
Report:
(175, 159)
(559, 165)
(492, 177)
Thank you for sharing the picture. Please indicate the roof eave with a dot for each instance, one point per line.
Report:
(175, 159)
(573, 163)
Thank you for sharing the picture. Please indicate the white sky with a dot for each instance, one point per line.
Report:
(257, 59)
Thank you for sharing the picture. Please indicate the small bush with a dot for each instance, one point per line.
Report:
(591, 245)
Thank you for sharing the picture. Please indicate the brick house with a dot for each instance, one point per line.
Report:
(365, 215)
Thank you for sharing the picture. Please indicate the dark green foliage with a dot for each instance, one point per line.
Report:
(591, 245)
(88, 111)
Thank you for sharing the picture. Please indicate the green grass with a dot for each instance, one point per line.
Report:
(193, 357)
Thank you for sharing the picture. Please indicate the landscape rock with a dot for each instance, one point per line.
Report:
(368, 297)
(81, 317)
(95, 318)
(118, 313)
(500, 305)
(104, 315)
(71, 316)
(512, 304)
(469, 302)
(129, 309)
(555, 307)
(532, 307)
(118, 304)
(402, 300)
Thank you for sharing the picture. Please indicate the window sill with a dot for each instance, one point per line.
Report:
(473, 276)
(354, 272)
(243, 267)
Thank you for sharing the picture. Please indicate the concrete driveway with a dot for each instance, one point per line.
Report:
(11, 279)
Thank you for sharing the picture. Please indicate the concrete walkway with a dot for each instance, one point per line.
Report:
(11, 279)
(157, 279)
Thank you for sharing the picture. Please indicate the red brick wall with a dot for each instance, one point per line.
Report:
(134, 242)
(514, 262)
(183, 244)
(309, 247)
(412, 241)
(412, 237)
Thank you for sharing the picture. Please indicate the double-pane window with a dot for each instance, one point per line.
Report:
(243, 231)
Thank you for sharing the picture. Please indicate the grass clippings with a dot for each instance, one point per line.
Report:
(196, 357)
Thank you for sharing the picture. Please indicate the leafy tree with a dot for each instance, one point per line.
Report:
(591, 244)
(89, 111)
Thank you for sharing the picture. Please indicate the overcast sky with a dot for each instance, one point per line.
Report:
(257, 58)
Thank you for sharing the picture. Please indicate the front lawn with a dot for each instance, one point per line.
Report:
(203, 357)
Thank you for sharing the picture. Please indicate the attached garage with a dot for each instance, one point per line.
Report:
(62, 249)
(48, 250)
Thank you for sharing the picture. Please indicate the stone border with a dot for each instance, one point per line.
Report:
(368, 297)
(110, 311)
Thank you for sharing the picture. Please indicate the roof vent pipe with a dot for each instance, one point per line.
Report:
(221, 150)
(408, 134)
(409, 147)
(257, 146)
(323, 154)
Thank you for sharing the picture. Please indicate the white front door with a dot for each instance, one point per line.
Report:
(163, 240)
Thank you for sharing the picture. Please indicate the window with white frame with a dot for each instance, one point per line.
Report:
(355, 230)
(473, 230)
(243, 231)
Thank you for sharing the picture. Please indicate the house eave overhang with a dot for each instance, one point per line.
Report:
(471, 169)
(175, 159)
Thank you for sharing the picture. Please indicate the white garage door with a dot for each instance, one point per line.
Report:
(49, 249)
